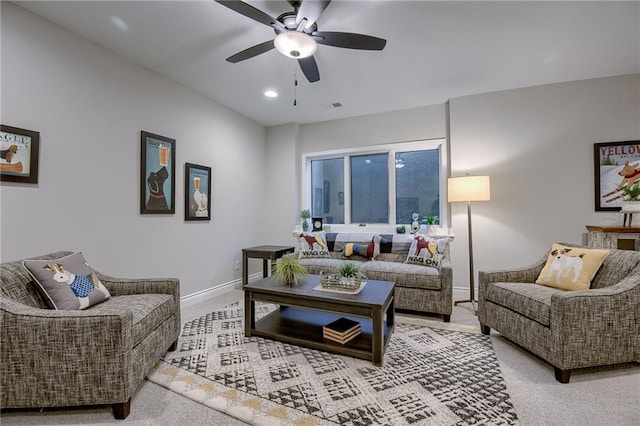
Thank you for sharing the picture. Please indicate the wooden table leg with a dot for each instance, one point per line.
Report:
(245, 269)
(377, 343)
(265, 268)
(249, 313)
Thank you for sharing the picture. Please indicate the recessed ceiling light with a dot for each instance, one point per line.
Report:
(271, 94)
(120, 24)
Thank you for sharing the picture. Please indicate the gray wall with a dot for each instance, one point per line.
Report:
(536, 144)
(89, 106)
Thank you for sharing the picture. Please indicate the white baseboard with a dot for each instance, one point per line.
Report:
(209, 293)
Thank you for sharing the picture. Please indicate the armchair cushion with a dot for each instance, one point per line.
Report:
(571, 268)
(68, 282)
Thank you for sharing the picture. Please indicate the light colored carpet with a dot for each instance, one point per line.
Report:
(433, 374)
(595, 397)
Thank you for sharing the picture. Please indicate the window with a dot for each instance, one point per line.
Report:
(377, 185)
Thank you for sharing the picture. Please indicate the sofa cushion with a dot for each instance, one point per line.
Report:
(69, 283)
(530, 300)
(427, 251)
(312, 245)
(571, 268)
(403, 274)
(149, 311)
(368, 250)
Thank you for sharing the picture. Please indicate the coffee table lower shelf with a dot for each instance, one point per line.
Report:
(303, 327)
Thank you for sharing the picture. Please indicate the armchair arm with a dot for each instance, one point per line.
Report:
(127, 286)
(526, 274)
(604, 320)
(47, 353)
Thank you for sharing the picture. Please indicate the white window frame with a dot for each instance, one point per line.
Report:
(390, 150)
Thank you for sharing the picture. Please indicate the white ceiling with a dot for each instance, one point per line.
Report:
(435, 50)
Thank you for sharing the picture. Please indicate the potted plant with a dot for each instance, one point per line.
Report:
(350, 273)
(431, 222)
(289, 271)
(401, 229)
(305, 215)
(631, 200)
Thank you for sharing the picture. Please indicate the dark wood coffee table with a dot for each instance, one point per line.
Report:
(304, 311)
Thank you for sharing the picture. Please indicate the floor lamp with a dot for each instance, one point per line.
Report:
(469, 188)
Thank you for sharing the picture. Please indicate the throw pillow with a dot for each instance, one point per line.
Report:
(571, 268)
(69, 282)
(427, 251)
(312, 245)
(370, 250)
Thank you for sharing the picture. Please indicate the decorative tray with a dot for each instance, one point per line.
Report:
(337, 282)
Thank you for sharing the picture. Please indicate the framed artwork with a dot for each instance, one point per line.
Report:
(197, 192)
(19, 154)
(157, 174)
(616, 164)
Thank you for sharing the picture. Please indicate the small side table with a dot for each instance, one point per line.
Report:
(265, 253)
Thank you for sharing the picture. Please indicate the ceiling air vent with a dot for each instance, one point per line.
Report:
(336, 105)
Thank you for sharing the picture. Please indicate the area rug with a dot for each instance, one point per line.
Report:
(433, 374)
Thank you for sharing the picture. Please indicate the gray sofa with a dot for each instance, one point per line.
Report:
(100, 355)
(417, 288)
(568, 329)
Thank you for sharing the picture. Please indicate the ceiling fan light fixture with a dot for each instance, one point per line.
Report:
(295, 44)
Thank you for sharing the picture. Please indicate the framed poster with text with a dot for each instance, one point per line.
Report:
(616, 164)
(19, 154)
(157, 174)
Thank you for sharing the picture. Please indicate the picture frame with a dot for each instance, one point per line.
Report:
(19, 154)
(316, 222)
(615, 164)
(197, 192)
(157, 174)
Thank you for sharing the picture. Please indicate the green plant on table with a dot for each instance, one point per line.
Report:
(431, 220)
(305, 214)
(350, 270)
(401, 229)
(289, 271)
(631, 193)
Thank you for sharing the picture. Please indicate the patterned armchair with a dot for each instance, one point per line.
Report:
(100, 355)
(568, 329)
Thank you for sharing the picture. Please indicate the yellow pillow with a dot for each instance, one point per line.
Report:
(571, 268)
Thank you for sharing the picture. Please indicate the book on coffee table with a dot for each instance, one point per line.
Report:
(341, 330)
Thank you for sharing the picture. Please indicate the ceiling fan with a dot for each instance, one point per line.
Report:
(297, 34)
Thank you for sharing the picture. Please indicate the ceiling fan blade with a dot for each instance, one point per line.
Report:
(310, 69)
(251, 52)
(349, 40)
(311, 11)
(250, 12)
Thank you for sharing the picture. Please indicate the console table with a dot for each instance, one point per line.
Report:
(266, 253)
(613, 237)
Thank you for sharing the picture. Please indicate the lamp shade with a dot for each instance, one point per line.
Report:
(295, 44)
(469, 188)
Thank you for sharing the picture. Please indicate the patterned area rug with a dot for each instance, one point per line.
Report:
(433, 374)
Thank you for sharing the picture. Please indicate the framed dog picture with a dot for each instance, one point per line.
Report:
(197, 192)
(157, 174)
(616, 165)
(19, 154)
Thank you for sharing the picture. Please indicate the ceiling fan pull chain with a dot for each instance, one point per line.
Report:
(295, 87)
